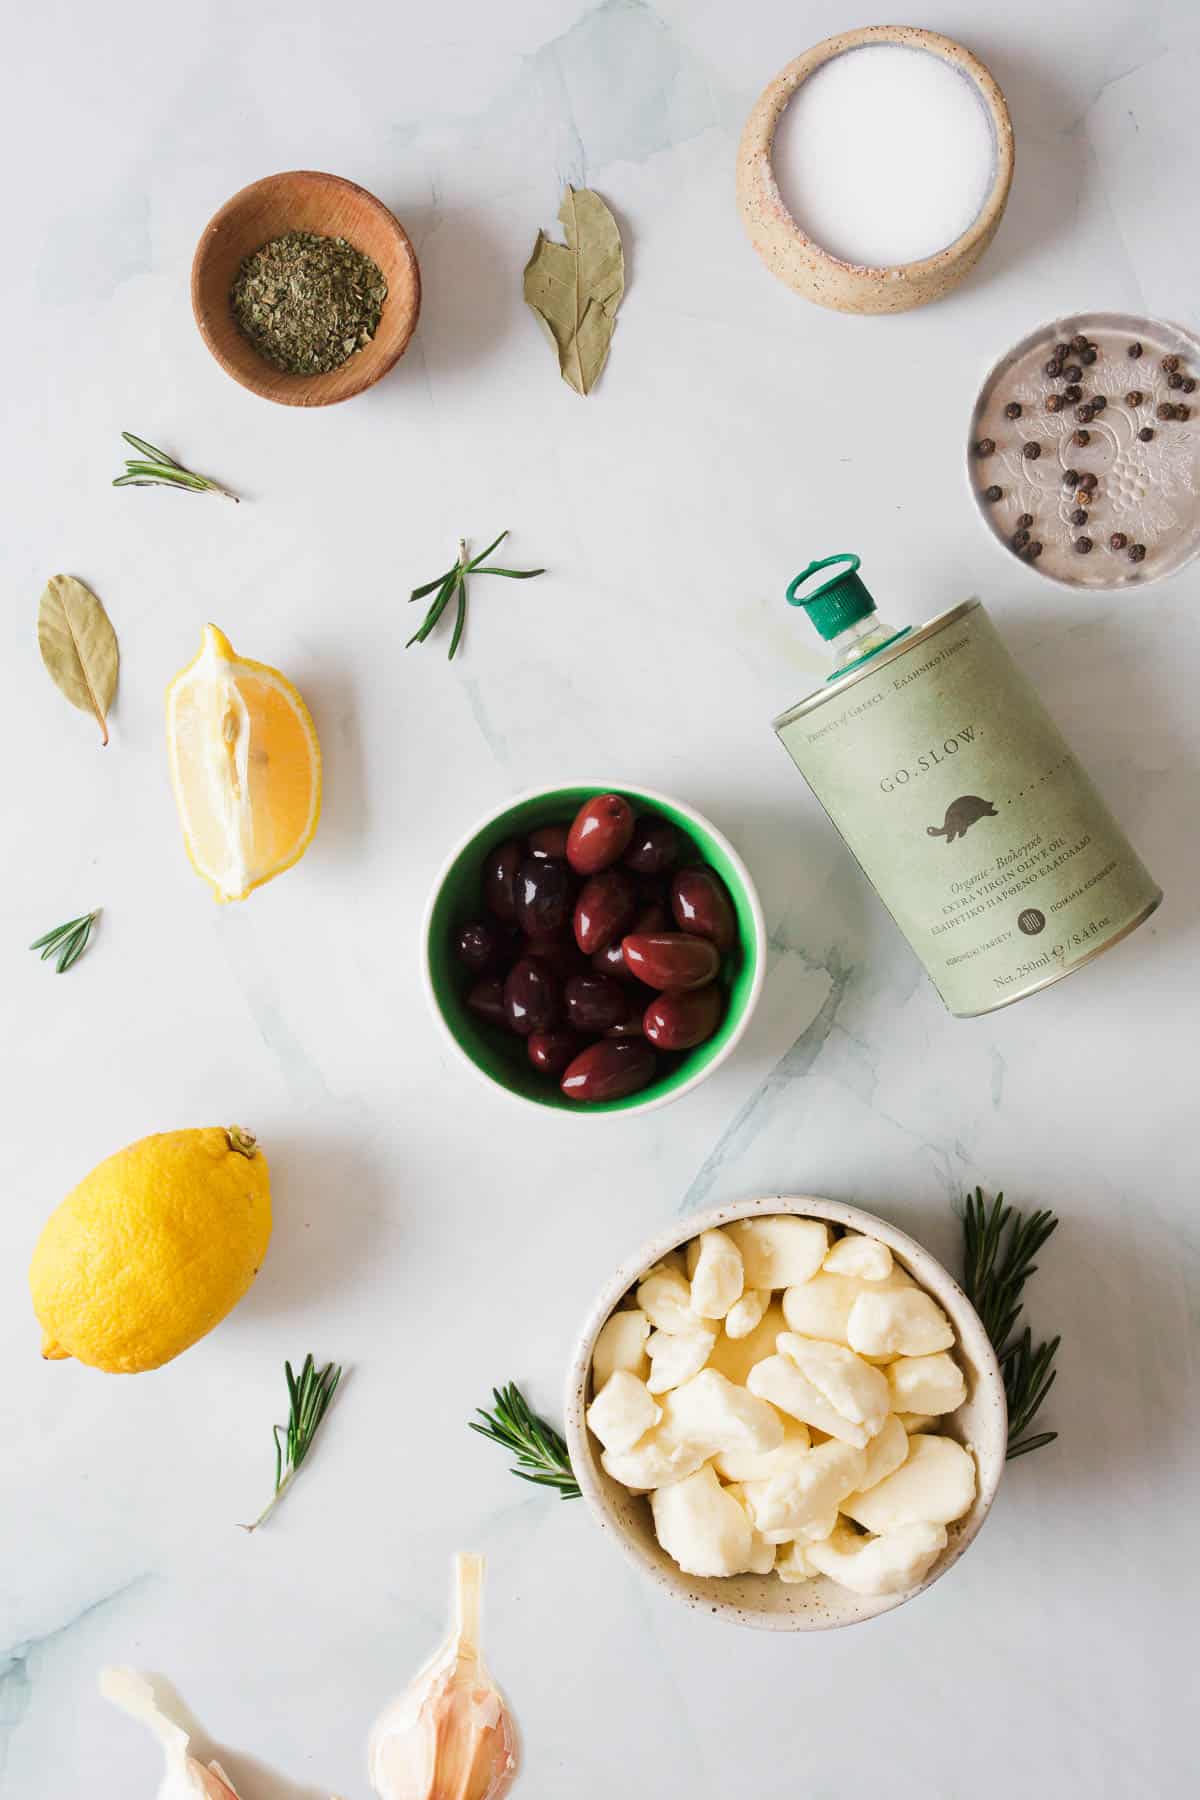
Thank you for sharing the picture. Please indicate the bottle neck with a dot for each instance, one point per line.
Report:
(864, 639)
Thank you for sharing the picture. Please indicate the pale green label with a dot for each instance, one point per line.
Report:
(961, 800)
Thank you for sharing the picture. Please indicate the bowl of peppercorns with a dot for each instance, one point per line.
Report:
(594, 949)
(1083, 453)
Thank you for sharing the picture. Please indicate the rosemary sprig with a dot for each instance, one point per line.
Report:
(68, 942)
(152, 467)
(540, 1452)
(999, 1245)
(452, 585)
(308, 1402)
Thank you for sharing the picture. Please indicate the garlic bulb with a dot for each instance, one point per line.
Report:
(184, 1778)
(450, 1737)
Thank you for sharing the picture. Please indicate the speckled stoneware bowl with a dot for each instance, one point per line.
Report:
(814, 271)
(500, 1058)
(763, 1600)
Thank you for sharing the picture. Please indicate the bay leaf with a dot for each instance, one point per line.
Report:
(575, 288)
(79, 647)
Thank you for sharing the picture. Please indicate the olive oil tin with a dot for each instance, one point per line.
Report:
(968, 813)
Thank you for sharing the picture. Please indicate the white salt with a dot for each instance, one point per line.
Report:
(884, 155)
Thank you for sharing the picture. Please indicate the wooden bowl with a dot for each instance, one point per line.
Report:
(814, 271)
(304, 200)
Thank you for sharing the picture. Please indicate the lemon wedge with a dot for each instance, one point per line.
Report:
(245, 766)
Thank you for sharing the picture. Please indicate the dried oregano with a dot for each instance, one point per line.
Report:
(307, 303)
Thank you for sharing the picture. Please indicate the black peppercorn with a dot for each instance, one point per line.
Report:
(1117, 541)
(1136, 552)
(1033, 550)
(1088, 356)
(1020, 539)
(1134, 397)
(1024, 520)
(1081, 437)
(1164, 410)
(1098, 403)
(1084, 414)
(1070, 477)
(1135, 350)
(1053, 368)
(1087, 482)
(1170, 364)
(1054, 403)
(1145, 434)
(1175, 381)
(1073, 372)
(985, 446)
(993, 493)
(1073, 393)
(1183, 412)
(1079, 517)
(1013, 410)
(1083, 545)
(1031, 452)
(1079, 342)
(1189, 385)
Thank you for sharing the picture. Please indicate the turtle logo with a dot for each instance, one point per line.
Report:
(961, 814)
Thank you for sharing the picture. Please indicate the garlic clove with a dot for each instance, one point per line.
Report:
(184, 1778)
(450, 1736)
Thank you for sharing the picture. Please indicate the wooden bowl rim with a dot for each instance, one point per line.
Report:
(311, 384)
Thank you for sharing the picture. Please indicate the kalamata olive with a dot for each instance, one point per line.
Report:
(551, 1051)
(499, 876)
(595, 1002)
(655, 845)
(701, 905)
(654, 890)
(681, 1021)
(606, 908)
(478, 945)
(609, 1070)
(548, 840)
(544, 891)
(632, 1024)
(599, 834)
(486, 1001)
(559, 952)
(611, 960)
(532, 997)
(670, 959)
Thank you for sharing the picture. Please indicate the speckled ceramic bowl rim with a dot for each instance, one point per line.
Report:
(759, 138)
(1072, 322)
(656, 798)
(989, 1447)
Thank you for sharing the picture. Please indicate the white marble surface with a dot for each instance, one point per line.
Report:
(433, 1236)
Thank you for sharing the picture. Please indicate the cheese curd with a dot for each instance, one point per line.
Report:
(782, 1402)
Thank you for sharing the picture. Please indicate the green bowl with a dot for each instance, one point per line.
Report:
(501, 1058)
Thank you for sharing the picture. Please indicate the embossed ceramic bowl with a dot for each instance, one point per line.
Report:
(806, 265)
(501, 1058)
(1148, 491)
(763, 1600)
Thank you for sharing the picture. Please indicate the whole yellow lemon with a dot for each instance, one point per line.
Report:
(152, 1249)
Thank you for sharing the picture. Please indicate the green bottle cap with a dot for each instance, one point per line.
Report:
(836, 603)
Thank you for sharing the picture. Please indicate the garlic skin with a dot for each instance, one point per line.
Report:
(183, 1778)
(450, 1736)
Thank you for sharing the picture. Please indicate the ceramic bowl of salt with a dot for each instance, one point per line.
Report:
(874, 170)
